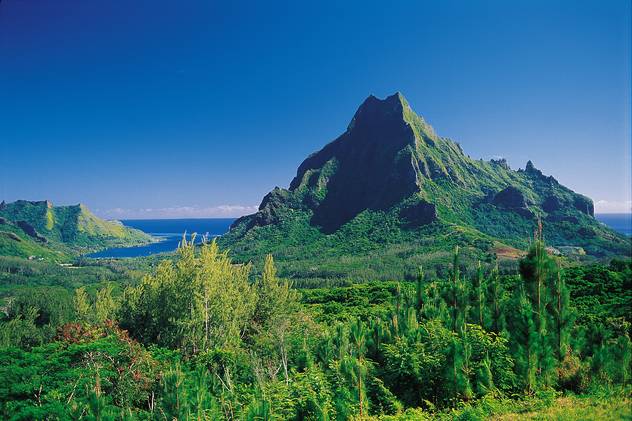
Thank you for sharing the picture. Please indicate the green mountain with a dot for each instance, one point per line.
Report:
(40, 229)
(15, 242)
(390, 194)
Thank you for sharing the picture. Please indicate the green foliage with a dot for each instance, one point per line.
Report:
(601, 291)
(373, 246)
(204, 302)
(82, 306)
(363, 301)
(221, 341)
(15, 242)
(60, 231)
(98, 374)
(21, 331)
(341, 215)
(105, 307)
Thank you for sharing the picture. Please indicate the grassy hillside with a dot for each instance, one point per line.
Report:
(49, 231)
(14, 243)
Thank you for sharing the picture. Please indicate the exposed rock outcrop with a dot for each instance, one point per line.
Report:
(30, 231)
(510, 198)
(513, 199)
(584, 205)
(269, 208)
(551, 204)
(374, 164)
(11, 236)
(502, 162)
(421, 213)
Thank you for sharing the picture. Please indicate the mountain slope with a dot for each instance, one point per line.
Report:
(65, 229)
(389, 183)
(15, 242)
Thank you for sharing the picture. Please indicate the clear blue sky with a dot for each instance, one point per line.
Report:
(198, 108)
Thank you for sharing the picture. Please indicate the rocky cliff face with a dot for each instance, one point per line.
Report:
(30, 231)
(372, 166)
(390, 165)
(373, 162)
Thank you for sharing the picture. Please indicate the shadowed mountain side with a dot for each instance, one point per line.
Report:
(390, 173)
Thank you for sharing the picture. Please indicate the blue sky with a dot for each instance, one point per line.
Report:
(199, 108)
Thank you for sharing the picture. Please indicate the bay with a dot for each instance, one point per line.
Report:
(169, 231)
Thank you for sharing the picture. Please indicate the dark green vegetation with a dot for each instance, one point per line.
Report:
(390, 190)
(496, 324)
(41, 230)
(202, 338)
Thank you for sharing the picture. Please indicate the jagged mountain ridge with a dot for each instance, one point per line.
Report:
(67, 229)
(390, 162)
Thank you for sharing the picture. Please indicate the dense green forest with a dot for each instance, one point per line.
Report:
(198, 337)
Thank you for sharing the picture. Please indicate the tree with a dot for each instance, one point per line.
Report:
(351, 369)
(524, 335)
(275, 312)
(494, 297)
(21, 331)
(458, 357)
(358, 339)
(83, 311)
(562, 316)
(201, 302)
(105, 306)
(459, 352)
(478, 297)
(419, 291)
(539, 272)
(174, 403)
(484, 378)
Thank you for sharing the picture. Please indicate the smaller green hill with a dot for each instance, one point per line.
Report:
(15, 242)
(37, 228)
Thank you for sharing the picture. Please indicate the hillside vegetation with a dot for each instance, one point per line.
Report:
(202, 338)
(42, 230)
(391, 187)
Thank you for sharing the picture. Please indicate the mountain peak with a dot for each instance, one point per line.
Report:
(393, 110)
(374, 109)
(379, 160)
(389, 178)
(397, 97)
(532, 170)
(395, 102)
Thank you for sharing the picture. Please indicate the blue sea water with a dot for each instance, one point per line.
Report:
(620, 222)
(170, 232)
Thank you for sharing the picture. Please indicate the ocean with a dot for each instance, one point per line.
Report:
(620, 222)
(170, 231)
